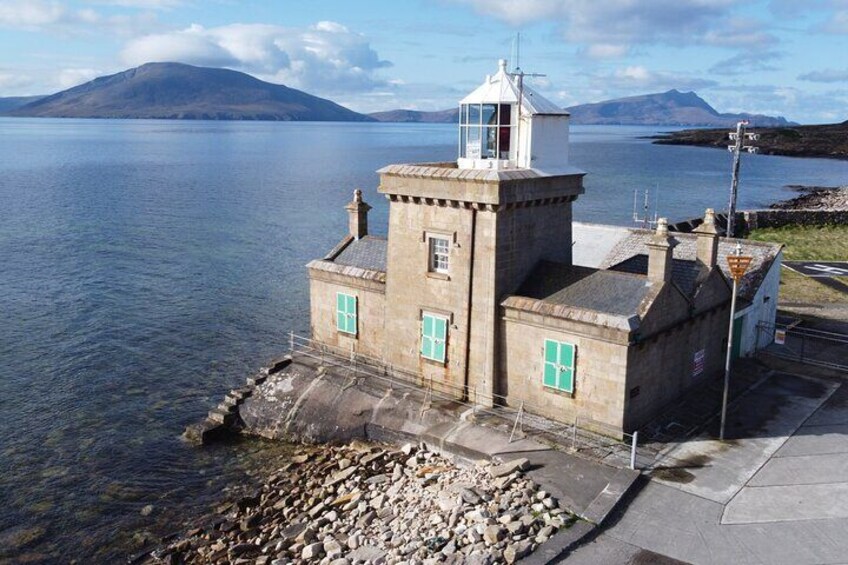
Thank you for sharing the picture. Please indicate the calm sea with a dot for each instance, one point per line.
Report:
(148, 266)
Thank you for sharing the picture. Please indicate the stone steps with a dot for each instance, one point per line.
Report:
(223, 417)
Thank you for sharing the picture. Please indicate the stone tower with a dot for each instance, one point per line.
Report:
(464, 234)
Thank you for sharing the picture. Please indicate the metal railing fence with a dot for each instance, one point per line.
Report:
(582, 435)
(805, 345)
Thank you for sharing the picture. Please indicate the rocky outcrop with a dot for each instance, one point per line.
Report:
(375, 504)
(827, 140)
(816, 198)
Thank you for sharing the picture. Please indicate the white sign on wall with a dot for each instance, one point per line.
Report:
(780, 337)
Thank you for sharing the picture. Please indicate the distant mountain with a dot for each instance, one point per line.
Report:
(450, 116)
(178, 91)
(672, 108)
(12, 102)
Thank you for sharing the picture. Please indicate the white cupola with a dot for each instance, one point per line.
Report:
(505, 124)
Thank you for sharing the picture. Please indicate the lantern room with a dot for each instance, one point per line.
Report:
(505, 124)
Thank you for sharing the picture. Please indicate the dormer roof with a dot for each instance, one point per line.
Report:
(503, 88)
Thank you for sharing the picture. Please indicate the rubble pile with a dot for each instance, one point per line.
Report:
(376, 504)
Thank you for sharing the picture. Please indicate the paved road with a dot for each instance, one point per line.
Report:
(778, 493)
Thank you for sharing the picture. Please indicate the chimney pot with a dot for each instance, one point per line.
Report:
(660, 254)
(707, 246)
(358, 215)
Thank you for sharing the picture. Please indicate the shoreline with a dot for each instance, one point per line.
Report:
(368, 502)
(827, 141)
(814, 198)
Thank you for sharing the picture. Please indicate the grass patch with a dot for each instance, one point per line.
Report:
(808, 243)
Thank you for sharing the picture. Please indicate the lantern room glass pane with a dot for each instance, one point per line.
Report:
(490, 147)
(490, 115)
(473, 114)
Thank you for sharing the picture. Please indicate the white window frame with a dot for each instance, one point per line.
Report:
(438, 261)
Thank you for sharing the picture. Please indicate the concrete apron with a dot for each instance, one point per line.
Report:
(757, 427)
(305, 402)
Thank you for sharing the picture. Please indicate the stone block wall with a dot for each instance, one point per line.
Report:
(371, 304)
(754, 219)
(662, 367)
(600, 372)
(412, 290)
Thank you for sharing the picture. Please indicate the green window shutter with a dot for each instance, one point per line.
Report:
(551, 363)
(434, 331)
(341, 305)
(351, 314)
(566, 367)
(426, 336)
(346, 313)
(559, 365)
(440, 336)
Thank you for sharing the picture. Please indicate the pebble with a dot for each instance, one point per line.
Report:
(347, 505)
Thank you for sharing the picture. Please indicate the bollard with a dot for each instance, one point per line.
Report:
(633, 450)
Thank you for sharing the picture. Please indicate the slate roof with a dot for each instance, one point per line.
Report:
(367, 253)
(684, 273)
(685, 248)
(607, 292)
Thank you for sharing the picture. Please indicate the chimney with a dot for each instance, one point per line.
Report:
(659, 254)
(707, 250)
(358, 213)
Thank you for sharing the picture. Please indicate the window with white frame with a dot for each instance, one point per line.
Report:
(486, 131)
(434, 337)
(439, 254)
(559, 365)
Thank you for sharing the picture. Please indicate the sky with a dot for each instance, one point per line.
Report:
(777, 57)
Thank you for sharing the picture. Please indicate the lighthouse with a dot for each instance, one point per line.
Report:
(462, 235)
(505, 124)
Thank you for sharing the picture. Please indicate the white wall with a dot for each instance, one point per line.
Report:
(549, 139)
(762, 310)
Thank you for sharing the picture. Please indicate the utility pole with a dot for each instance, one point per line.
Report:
(739, 137)
(738, 264)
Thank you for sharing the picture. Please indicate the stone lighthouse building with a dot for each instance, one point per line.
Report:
(474, 292)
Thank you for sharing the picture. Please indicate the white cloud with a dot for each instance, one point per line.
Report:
(620, 23)
(30, 13)
(826, 75)
(746, 62)
(605, 51)
(146, 4)
(637, 79)
(40, 15)
(11, 81)
(323, 58)
(68, 78)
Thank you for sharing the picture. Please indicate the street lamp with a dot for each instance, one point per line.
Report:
(738, 264)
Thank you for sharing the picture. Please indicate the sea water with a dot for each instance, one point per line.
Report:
(146, 267)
